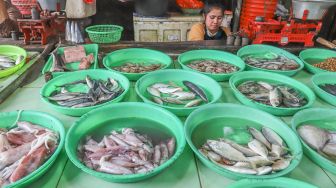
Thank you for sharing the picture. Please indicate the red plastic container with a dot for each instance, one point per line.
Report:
(253, 8)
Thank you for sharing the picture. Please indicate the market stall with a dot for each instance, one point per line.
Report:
(80, 108)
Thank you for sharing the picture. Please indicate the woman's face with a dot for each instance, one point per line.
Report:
(214, 19)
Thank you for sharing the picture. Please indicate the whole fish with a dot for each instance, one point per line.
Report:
(242, 170)
(226, 150)
(259, 136)
(280, 165)
(258, 148)
(313, 136)
(330, 150)
(153, 91)
(182, 95)
(264, 170)
(171, 100)
(272, 137)
(169, 90)
(6, 59)
(193, 103)
(275, 97)
(246, 151)
(198, 91)
(157, 100)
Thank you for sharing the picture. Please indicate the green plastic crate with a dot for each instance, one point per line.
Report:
(89, 48)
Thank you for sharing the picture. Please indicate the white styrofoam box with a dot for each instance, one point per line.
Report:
(173, 28)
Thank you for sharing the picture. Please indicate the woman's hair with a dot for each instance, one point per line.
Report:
(211, 4)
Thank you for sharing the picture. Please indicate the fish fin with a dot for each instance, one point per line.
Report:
(253, 165)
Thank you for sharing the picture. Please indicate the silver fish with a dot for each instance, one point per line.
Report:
(277, 151)
(226, 150)
(157, 100)
(272, 137)
(243, 164)
(238, 169)
(275, 97)
(259, 136)
(330, 150)
(171, 100)
(315, 137)
(246, 151)
(213, 156)
(18, 60)
(153, 92)
(259, 161)
(264, 170)
(265, 85)
(182, 95)
(160, 85)
(258, 147)
(193, 103)
(280, 165)
(169, 90)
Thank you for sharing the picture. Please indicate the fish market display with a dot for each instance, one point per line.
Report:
(321, 140)
(212, 66)
(130, 67)
(330, 88)
(264, 154)
(71, 55)
(329, 64)
(173, 94)
(23, 149)
(271, 61)
(125, 152)
(99, 92)
(272, 95)
(9, 61)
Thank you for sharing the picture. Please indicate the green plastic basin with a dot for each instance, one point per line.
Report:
(315, 55)
(271, 183)
(185, 58)
(239, 78)
(50, 87)
(89, 48)
(157, 123)
(42, 119)
(12, 50)
(135, 55)
(208, 122)
(211, 88)
(324, 78)
(319, 117)
(261, 48)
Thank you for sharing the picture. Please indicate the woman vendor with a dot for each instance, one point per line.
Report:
(211, 28)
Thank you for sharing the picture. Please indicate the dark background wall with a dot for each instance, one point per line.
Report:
(115, 12)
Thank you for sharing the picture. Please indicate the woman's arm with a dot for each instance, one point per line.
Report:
(227, 30)
(196, 32)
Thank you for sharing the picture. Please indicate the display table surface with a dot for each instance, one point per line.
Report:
(187, 171)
